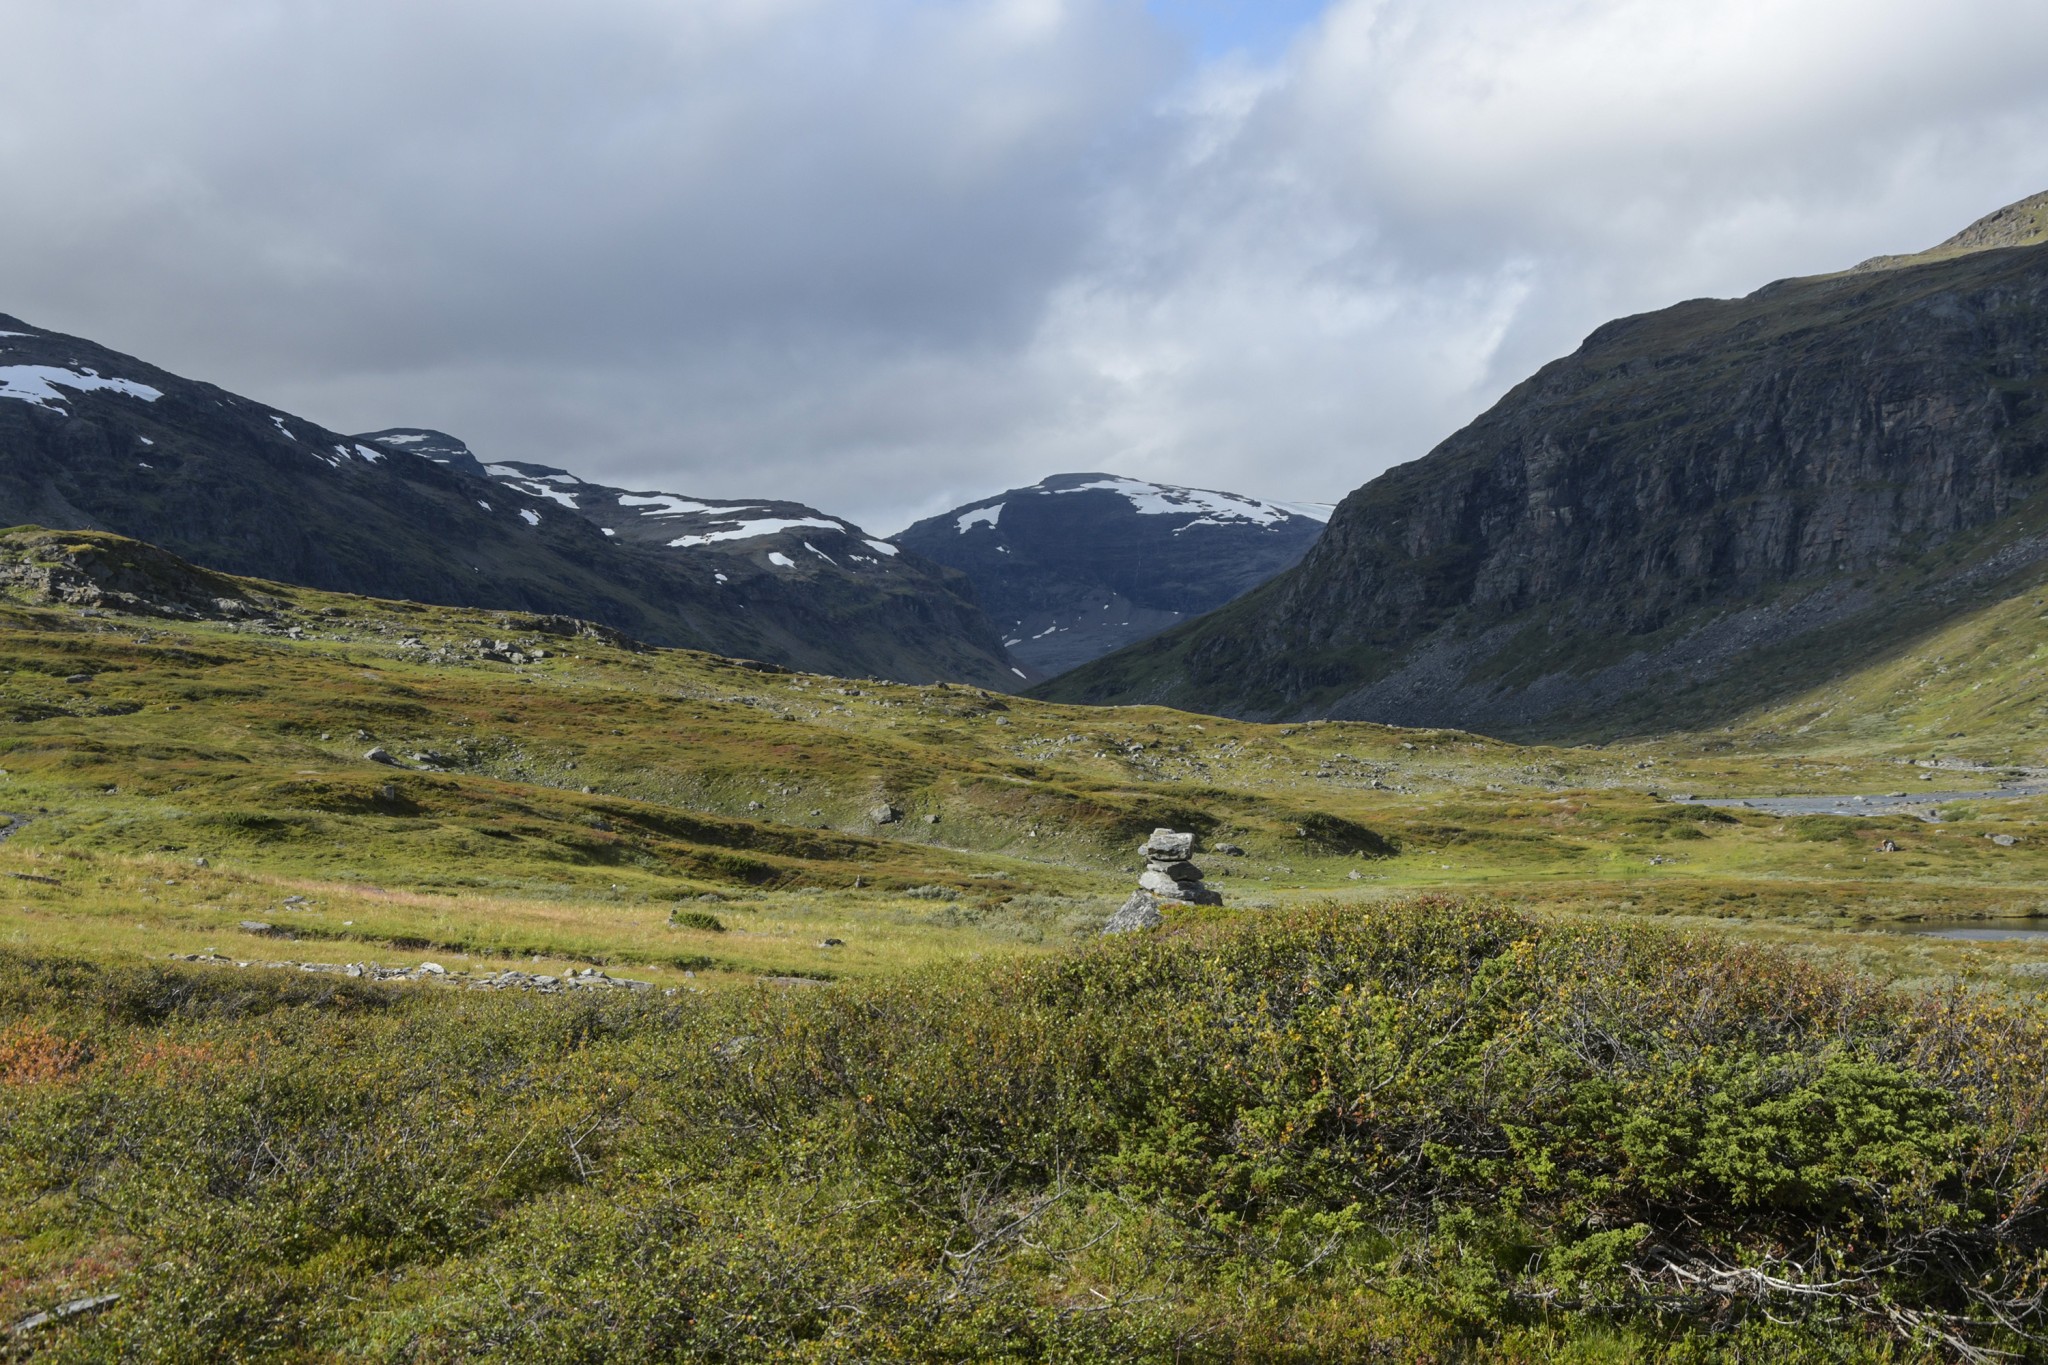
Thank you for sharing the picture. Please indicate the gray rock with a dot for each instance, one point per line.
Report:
(62, 1311)
(1159, 884)
(1169, 846)
(1180, 872)
(255, 926)
(1141, 911)
(931, 819)
(1230, 850)
(381, 755)
(2003, 840)
(885, 814)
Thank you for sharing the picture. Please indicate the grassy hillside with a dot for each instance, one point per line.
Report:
(1428, 1086)
(566, 806)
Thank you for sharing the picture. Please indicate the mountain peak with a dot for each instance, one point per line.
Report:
(1078, 564)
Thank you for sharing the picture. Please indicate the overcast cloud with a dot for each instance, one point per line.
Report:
(885, 256)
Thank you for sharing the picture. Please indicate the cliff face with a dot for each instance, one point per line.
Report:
(1698, 509)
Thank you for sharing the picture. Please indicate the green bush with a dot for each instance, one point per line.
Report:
(1424, 1131)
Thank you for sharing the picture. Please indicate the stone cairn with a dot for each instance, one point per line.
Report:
(1168, 877)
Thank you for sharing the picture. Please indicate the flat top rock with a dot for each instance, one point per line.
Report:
(1167, 845)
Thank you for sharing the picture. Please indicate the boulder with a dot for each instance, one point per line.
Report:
(1159, 884)
(1180, 872)
(1141, 911)
(885, 814)
(1167, 845)
(381, 755)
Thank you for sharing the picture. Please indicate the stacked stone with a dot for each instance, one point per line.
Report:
(1168, 873)
(1168, 876)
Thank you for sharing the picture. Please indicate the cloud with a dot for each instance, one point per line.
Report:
(884, 255)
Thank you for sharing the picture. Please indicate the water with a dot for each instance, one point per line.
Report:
(1921, 805)
(1983, 931)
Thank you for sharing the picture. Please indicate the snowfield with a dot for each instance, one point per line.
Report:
(1207, 507)
(38, 384)
(754, 530)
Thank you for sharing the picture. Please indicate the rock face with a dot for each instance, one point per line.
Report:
(1081, 564)
(1169, 875)
(91, 439)
(1701, 510)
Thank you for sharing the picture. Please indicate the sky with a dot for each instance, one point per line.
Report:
(888, 256)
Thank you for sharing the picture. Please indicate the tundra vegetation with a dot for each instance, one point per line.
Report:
(1493, 1052)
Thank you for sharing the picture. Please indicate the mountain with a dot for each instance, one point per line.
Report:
(97, 440)
(1081, 564)
(1701, 511)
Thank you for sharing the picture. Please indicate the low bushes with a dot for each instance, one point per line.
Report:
(1426, 1131)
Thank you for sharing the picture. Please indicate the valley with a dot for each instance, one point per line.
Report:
(553, 796)
(456, 949)
(621, 957)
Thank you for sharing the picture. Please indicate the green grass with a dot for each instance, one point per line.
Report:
(271, 1164)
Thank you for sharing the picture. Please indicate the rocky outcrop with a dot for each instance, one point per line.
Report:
(1703, 508)
(1139, 913)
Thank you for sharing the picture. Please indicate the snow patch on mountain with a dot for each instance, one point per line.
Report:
(754, 530)
(38, 384)
(980, 516)
(668, 505)
(1213, 509)
(532, 486)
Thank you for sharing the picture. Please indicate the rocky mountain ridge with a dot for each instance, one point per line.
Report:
(1078, 565)
(1701, 509)
(92, 439)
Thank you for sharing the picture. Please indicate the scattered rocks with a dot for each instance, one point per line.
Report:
(1138, 913)
(589, 978)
